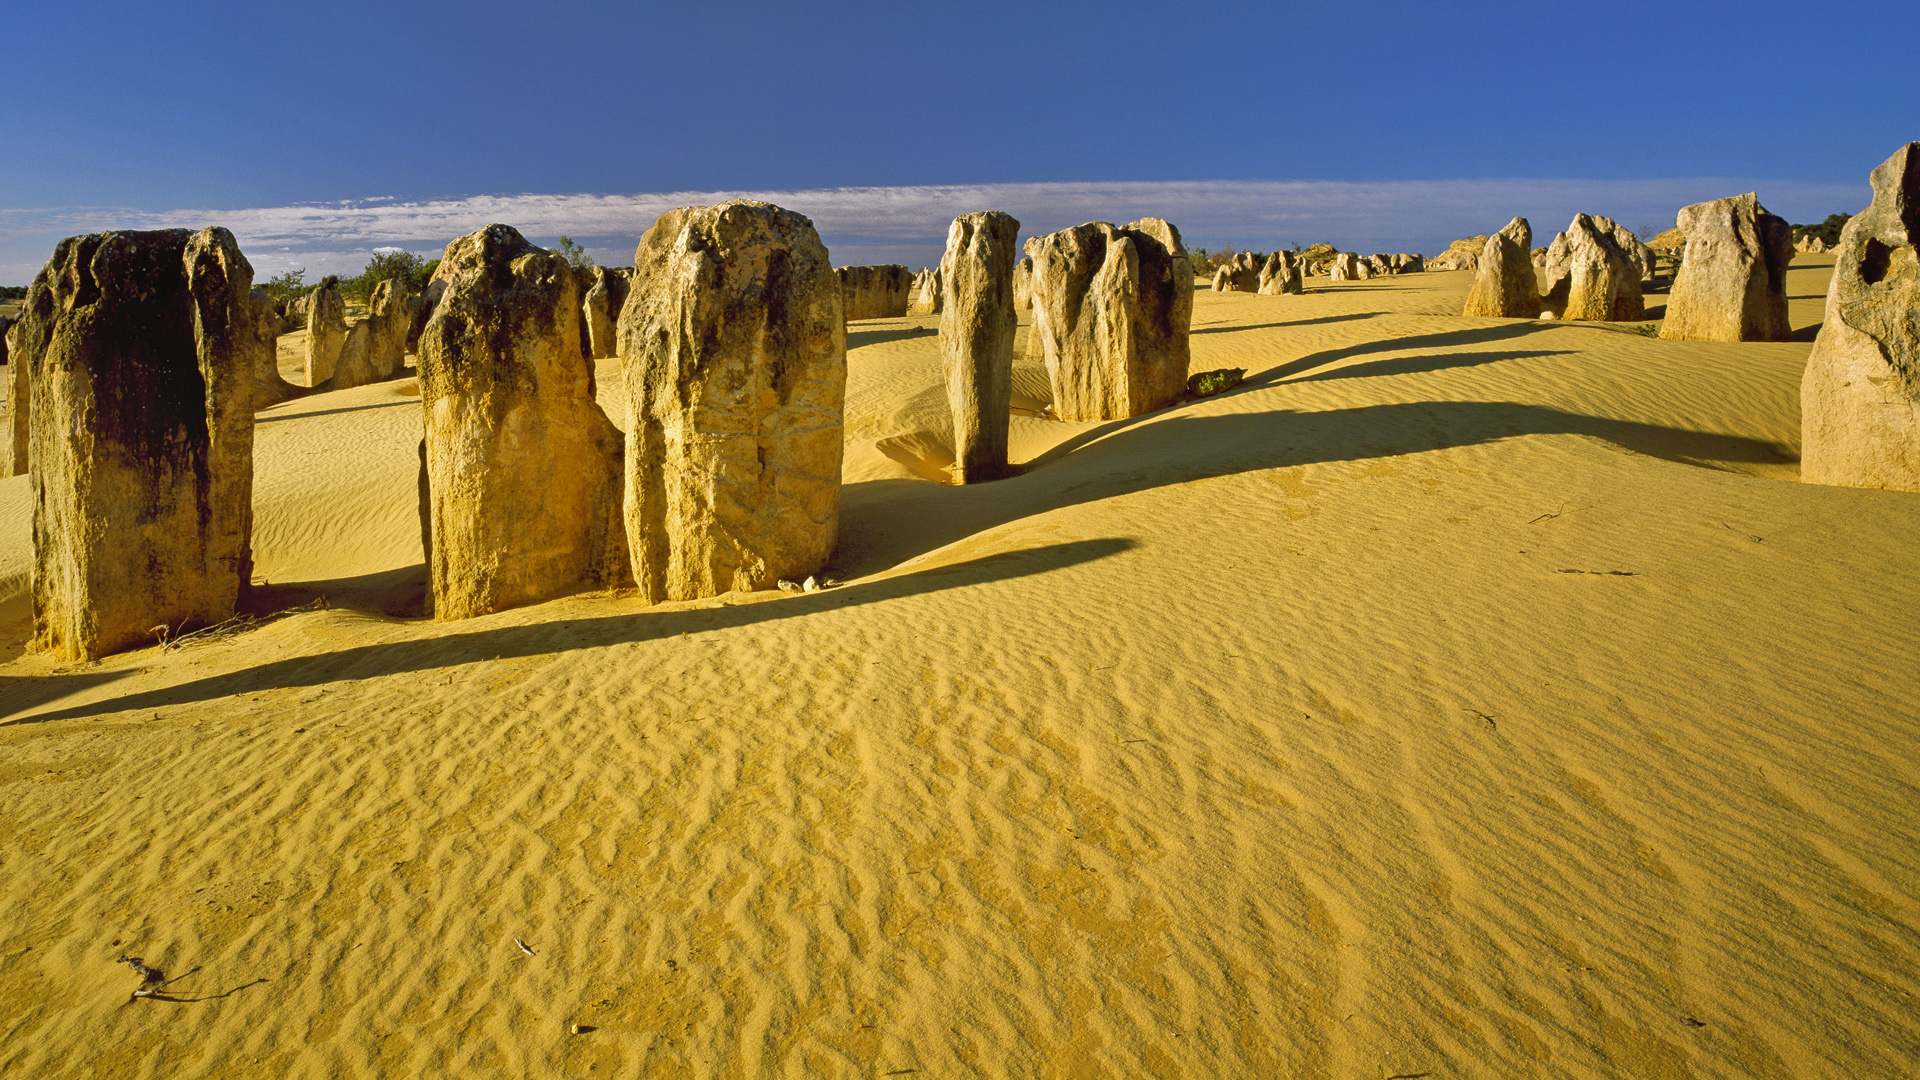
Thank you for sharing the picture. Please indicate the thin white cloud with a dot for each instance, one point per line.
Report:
(909, 223)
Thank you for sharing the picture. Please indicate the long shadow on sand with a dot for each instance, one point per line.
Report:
(1477, 335)
(857, 338)
(371, 661)
(1417, 365)
(886, 522)
(1237, 327)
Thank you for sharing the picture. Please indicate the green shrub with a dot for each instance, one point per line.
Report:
(1828, 230)
(1208, 383)
(575, 255)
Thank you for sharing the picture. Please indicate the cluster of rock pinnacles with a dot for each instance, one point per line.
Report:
(140, 358)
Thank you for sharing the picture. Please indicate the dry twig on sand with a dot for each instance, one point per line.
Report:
(239, 624)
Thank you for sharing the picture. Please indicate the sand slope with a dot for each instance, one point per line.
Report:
(1459, 697)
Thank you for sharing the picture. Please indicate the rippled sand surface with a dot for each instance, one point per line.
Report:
(1458, 697)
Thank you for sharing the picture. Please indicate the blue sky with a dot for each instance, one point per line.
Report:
(319, 132)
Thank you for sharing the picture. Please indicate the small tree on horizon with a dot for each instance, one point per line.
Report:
(575, 255)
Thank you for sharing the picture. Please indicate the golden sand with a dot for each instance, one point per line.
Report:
(1459, 697)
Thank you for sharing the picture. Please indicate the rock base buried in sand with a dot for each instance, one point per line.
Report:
(143, 359)
(977, 323)
(1112, 309)
(735, 354)
(1504, 285)
(521, 469)
(1732, 282)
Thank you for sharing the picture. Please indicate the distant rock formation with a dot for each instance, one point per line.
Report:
(326, 330)
(735, 352)
(605, 296)
(926, 293)
(1023, 285)
(1112, 309)
(1406, 263)
(1236, 277)
(521, 471)
(1460, 255)
(977, 321)
(269, 388)
(376, 346)
(1280, 275)
(1732, 284)
(1860, 397)
(1504, 285)
(1811, 245)
(1345, 267)
(875, 292)
(1603, 284)
(142, 350)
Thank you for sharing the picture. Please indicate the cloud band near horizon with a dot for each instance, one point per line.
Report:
(909, 224)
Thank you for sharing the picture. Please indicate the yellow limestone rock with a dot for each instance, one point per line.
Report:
(1280, 275)
(875, 292)
(605, 296)
(376, 345)
(977, 321)
(521, 499)
(1732, 284)
(735, 352)
(1504, 285)
(326, 330)
(1860, 396)
(926, 293)
(1603, 285)
(19, 395)
(269, 388)
(141, 345)
(1112, 309)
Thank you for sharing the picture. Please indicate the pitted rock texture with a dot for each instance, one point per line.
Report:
(977, 323)
(735, 352)
(521, 471)
(1113, 306)
(1860, 396)
(143, 370)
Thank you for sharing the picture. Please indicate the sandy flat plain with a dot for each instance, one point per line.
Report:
(1456, 698)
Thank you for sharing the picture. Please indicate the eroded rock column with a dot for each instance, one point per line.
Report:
(735, 353)
(1504, 286)
(1112, 308)
(522, 469)
(326, 330)
(1860, 396)
(1732, 284)
(142, 355)
(977, 321)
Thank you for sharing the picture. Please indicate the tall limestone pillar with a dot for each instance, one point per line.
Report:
(142, 356)
(735, 352)
(522, 469)
(326, 331)
(977, 321)
(1112, 310)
